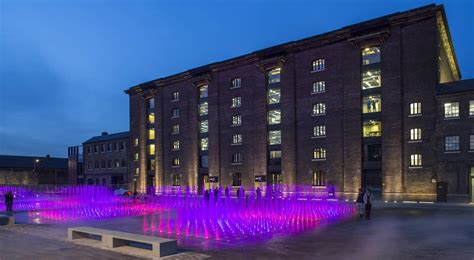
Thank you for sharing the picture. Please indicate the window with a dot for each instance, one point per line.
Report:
(318, 65)
(451, 143)
(89, 149)
(135, 157)
(451, 110)
(175, 146)
(371, 104)
(236, 179)
(237, 139)
(415, 160)
(109, 164)
(319, 153)
(151, 103)
(371, 79)
(204, 126)
(471, 108)
(235, 102)
(117, 163)
(373, 153)
(175, 96)
(151, 118)
(237, 158)
(175, 162)
(135, 142)
(415, 134)
(274, 116)
(372, 128)
(319, 131)
(318, 178)
(274, 137)
(103, 164)
(273, 96)
(124, 163)
(319, 109)
(471, 142)
(203, 108)
(122, 146)
(236, 83)
(275, 154)
(415, 108)
(175, 112)
(137, 171)
(89, 165)
(370, 55)
(151, 149)
(176, 179)
(204, 144)
(96, 164)
(319, 87)
(236, 120)
(151, 165)
(109, 147)
(274, 75)
(151, 133)
(203, 91)
(116, 146)
(102, 148)
(175, 129)
(204, 161)
(96, 148)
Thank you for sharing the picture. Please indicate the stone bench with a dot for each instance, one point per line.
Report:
(6, 220)
(112, 239)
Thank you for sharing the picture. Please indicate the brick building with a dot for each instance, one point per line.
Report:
(33, 170)
(105, 159)
(363, 105)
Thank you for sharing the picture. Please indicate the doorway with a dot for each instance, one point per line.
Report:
(441, 191)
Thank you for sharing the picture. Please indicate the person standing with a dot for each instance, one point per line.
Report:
(360, 203)
(368, 198)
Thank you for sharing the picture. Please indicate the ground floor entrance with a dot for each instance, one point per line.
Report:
(372, 179)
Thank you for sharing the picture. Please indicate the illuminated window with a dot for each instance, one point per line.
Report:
(371, 104)
(370, 55)
(109, 164)
(236, 179)
(135, 157)
(175, 112)
(135, 142)
(137, 171)
(274, 117)
(451, 143)
(415, 134)
(175, 162)
(371, 79)
(103, 164)
(204, 144)
(151, 133)
(235, 102)
(237, 158)
(203, 91)
(274, 137)
(175, 96)
(151, 118)
(236, 120)
(175, 146)
(451, 110)
(151, 149)
(151, 103)
(415, 160)
(318, 65)
(273, 96)
(471, 142)
(319, 87)
(372, 128)
(319, 109)
(274, 75)
(415, 108)
(237, 139)
(275, 154)
(318, 178)
(175, 129)
(471, 108)
(319, 131)
(176, 179)
(319, 153)
(236, 83)
(117, 164)
(204, 126)
(203, 108)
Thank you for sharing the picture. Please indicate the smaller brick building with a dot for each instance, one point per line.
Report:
(105, 159)
(33, 170)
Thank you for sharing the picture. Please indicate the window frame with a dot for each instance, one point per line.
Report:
(416, 160)
(318, 65)
(319, 87)
(234, 82)
(452, 143)
(319, 154)
(448, 111)
(319, 109)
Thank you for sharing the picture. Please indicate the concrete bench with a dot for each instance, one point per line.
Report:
(6, 220)
(112, 239)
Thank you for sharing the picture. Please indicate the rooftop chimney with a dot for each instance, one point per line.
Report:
(105, 133)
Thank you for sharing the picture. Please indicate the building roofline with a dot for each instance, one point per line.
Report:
(107, 137)
(344, 33)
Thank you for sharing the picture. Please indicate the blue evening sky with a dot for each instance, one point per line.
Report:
(64, 64)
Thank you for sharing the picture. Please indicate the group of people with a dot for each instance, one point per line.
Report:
(9, 200)
(364, 203)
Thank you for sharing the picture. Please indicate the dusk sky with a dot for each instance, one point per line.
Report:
(64, 65)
